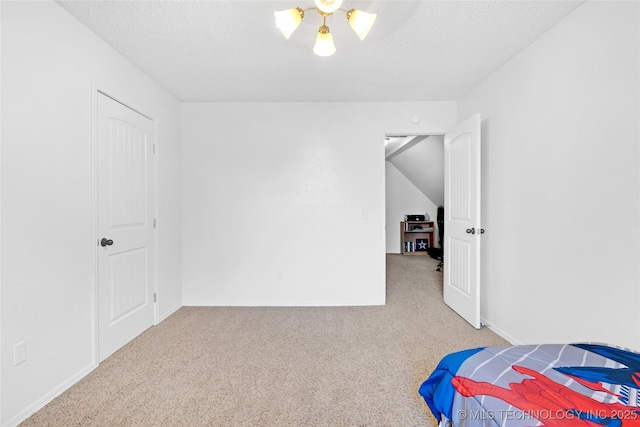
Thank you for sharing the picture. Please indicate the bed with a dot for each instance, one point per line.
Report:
(536, 385)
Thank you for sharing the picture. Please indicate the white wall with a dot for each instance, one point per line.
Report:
(402, 198)
(48, 63)
(271, 187)
(561, 182)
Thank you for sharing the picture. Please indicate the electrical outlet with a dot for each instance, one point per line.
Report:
(19, 353)
(280, 275)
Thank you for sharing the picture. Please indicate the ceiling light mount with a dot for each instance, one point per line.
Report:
(328, 6)
(361, 22)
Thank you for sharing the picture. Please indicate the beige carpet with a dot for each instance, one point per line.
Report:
(279, 366)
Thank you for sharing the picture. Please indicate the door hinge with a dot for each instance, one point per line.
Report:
(155, 297)
(154, 148)
(154, 223)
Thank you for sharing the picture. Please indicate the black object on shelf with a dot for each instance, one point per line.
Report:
(440, 221)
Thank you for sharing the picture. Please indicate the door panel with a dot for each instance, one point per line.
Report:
(125, 222)
(128, 283)
(459, 178)
(128, 186)
(459, 255)
(461, 286)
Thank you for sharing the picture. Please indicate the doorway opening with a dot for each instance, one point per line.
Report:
(414, 186)
(461, 198)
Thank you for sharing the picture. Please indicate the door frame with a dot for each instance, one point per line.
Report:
(435, 132)
(96, 89)
(413, 132)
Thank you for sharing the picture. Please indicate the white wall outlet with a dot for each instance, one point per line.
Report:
(280, 275)
(19, 353)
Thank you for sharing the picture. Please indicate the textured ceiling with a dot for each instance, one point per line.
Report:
(232, 51)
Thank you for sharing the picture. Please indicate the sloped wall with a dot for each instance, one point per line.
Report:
(403, 198)
(423, 165)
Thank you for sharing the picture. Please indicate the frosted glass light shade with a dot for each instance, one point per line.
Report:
(288, 20)
(324, 43)
(328, 6)
(361, 22)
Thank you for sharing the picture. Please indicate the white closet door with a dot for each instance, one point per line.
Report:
(125, 225)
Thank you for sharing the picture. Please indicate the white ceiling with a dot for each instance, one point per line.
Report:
(230, 50)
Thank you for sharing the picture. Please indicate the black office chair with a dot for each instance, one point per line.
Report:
(440, 221)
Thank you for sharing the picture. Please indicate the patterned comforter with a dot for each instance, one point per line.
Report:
(536, 385)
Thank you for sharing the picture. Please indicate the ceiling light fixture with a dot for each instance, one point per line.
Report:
(361, 22)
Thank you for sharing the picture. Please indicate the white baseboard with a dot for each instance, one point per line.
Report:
(39, 404)
(188, 303)
(168, 313)
(35, 407)
(500, 332)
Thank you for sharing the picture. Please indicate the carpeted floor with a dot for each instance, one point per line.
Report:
(279, 366)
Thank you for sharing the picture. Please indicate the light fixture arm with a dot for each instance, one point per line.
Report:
(348, 12)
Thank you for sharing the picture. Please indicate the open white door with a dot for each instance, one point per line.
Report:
(462, 219)
(125, 225)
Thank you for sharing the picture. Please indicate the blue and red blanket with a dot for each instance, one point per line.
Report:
(537, 385)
